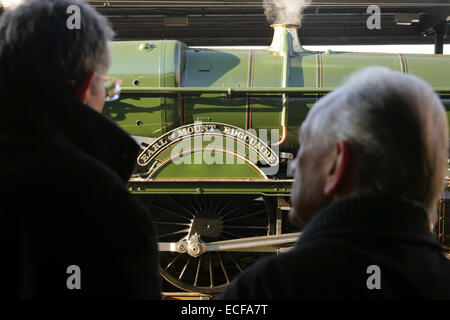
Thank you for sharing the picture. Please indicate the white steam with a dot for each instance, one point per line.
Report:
(285, 11)
(10, 4)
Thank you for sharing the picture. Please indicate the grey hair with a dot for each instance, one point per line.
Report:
(397, 129)
(37, 46)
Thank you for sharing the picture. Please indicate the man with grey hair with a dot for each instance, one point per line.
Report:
(368, 175)
(69, 227)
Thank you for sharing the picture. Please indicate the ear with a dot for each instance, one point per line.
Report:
(84, 89)
(339, 175)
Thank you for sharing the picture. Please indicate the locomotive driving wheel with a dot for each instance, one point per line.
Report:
(187, 221)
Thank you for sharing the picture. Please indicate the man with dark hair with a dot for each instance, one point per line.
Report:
(69, 228)
(368, 176)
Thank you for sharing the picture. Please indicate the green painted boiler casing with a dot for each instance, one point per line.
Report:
(171, 64)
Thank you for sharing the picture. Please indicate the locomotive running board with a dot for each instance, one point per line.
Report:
(264, 187)
(195, 247)
(243, 92)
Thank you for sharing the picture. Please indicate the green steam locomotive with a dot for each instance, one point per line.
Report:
(218, 128)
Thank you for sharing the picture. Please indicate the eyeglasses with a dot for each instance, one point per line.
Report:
(112, 87)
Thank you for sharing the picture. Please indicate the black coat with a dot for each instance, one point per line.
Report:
(63, 202)
(331, 260)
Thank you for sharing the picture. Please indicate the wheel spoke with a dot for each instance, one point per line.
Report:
(219, 203)
(223, 267)
(184, 269)
(194, 209)
(226, 205)
(247, 215)
(199, 204)
(180, 206)
(232, 234)
(173, 260)
(223, 237)
(235, 262)
(210, 271)
(174, 233)
(172, 223)
(237, 208)
(208, 202)
(198, 270)
(171, 212)
(245, 227)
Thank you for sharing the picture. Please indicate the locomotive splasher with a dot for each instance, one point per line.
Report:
(214, 218)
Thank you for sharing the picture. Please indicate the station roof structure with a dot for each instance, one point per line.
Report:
(243, 22)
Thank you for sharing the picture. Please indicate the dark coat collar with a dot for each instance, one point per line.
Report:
(379, 216)
(60, 120)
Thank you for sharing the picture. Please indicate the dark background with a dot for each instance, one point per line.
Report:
(242, 22)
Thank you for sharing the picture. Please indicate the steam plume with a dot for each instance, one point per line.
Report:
(285, 11)
(10, 4)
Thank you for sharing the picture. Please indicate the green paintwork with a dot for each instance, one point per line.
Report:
(211, 171)
(146, 64)
(178, 85)
(215, 68)
(338, 66)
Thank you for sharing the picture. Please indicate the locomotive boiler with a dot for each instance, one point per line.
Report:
(218, 127)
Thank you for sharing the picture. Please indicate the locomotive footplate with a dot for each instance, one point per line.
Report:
(267, 187)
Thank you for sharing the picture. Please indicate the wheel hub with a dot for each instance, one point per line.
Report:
(207, 224)
(195, 247)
